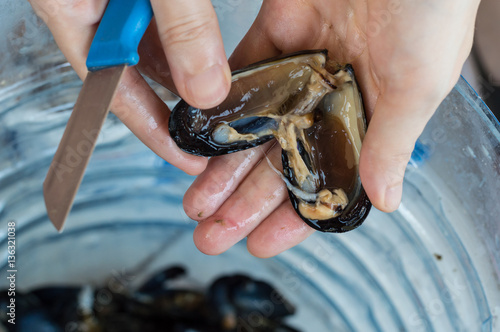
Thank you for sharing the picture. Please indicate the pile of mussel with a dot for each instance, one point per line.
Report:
(166, 302)
(314, 109)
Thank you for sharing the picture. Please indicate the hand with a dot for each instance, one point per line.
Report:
(407, 56)
(184, 33)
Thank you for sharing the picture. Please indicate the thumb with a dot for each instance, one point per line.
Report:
(190, 36)
(393, 130)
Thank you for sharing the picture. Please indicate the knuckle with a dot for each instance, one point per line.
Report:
(389, 164)
(187, 29)
(87, 12)
(401, 158)
(397, 167)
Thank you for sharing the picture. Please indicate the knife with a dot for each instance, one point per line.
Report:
(113, 49)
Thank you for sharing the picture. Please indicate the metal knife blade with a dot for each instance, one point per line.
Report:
(113, 48)
(77, 144)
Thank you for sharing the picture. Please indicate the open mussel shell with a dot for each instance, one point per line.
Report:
(314, 110)
(330, 151)
(257, 91)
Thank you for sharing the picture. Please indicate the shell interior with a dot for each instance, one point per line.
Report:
(315, 115)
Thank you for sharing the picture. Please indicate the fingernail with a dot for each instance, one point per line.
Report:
(393, 197)
(208, 89)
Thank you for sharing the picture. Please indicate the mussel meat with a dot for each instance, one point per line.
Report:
(314, 110)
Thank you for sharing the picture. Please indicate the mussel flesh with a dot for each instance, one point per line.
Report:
(314, 110)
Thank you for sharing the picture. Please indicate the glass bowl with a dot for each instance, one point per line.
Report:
(433, 265)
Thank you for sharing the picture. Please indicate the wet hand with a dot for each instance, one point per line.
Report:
(407, 56)
(184, 34)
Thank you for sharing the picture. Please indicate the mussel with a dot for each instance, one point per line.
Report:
(168, 301)
(314, 109)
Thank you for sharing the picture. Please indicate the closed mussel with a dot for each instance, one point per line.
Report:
(315, 112)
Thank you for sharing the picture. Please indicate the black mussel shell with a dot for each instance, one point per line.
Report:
(330, 151)
(350, 218)
(237, 299)
(156, 282)
(256, 89)
(315, 111)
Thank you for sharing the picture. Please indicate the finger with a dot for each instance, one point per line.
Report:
(281, 230)
(260, 193)
(270, 35)
(73, 25)
(255, 46)
(261, 41)
(397, 122)
(190, 36)
(153, 62)
(147, 116)
(135, 103)
(219, 180)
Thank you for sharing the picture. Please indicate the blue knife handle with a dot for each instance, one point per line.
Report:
(119, 33)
